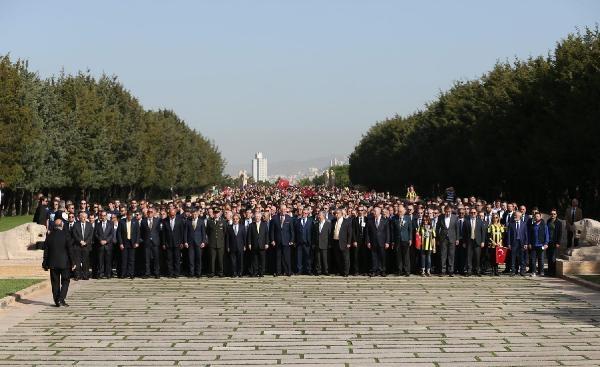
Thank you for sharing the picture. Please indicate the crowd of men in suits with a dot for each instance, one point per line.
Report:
(317, 231)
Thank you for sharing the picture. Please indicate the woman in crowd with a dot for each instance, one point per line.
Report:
(427, 233)
(495, 235)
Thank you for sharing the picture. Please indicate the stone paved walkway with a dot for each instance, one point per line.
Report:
(309, 321)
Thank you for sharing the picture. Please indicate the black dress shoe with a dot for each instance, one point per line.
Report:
(63, 303)
(56, 304)
(131, 277)
(157, 277)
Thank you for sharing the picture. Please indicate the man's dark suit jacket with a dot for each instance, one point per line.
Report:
(451, 232)
(401, 233)
(196, 236)
(151, 236)
(359, 232)
(321, 238)
(106, 235)
(480, 230)
(122, 234)
(177, 235)
(233, 242)
(303, 235)
(58, 252)
(257, 241)
(282, 235)
(88, 236)
(378, 236)
(345, 235)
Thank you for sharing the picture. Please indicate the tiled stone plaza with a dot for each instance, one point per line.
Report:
(325, 321)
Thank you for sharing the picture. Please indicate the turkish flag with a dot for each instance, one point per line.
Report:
(308, 193)
(283, 184)
(500, 255)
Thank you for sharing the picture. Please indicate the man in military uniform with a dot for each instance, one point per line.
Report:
(215, 230)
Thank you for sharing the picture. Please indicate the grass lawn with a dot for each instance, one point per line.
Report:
(8, 286)
(590, 278)
(7, 223)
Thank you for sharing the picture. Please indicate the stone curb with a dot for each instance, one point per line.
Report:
(17, 296)
(581, 282)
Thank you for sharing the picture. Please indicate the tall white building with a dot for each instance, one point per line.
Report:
(259, 167)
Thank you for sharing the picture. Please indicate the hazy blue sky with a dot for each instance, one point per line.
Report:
(294, 79)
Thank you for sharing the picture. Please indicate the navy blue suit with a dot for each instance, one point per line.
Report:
(195, 237)
(303, 237)
(282, 234)
(517, 239)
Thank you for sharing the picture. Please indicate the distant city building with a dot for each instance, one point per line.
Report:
(336, 162)
(259, 167)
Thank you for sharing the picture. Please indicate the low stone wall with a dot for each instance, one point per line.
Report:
(20, 243)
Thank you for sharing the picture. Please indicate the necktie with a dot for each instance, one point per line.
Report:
(573, 216)
(83, 228)
(377, 223)
(257, 227)
(282, 220)
(150, 223)
(303, 221)
(194, 225)
(235, 229)
(103, 226)
(518, 234)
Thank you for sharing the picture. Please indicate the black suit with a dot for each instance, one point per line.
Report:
(151, 238)
(321, 244)
(174, 238)
(378, 236)
(58, 257)
(104, 257)
(257, 242)
(82, 251)
(341, 246)
(359, 253)
(555, 229)
(236, 244)
(128, 241)
(446, 237)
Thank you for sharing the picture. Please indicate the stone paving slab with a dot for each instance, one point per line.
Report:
(306, 321)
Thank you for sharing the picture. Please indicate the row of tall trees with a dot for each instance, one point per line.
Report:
(527, 130)
(85, 137)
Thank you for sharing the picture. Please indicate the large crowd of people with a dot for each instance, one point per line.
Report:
(262, 230)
